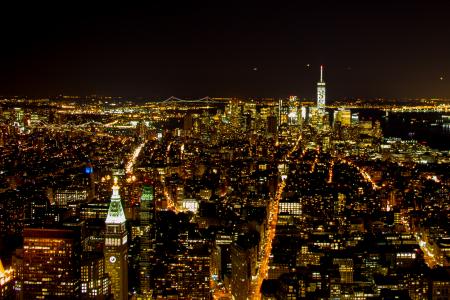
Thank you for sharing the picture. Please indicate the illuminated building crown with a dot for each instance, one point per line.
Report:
(115, 211)
(147, 193)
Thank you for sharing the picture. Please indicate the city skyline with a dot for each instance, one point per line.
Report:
(392, 50)
(225, 151)
(224, 199)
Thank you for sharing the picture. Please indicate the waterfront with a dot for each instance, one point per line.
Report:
(429, 128)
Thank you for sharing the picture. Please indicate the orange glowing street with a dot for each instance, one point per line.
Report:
(270, 233)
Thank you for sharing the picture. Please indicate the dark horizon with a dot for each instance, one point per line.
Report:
(369, 50)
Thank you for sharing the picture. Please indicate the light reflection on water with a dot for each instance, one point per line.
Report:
(432, 128)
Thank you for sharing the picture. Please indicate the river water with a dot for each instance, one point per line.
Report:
(431, 128)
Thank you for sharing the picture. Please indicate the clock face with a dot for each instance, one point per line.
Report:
(112, 259)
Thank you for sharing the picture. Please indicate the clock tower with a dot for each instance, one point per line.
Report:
(116, 248)
(321, 92)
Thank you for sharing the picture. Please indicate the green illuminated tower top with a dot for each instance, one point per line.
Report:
(115, 211)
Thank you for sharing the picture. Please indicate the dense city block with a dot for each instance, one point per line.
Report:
(224, 198)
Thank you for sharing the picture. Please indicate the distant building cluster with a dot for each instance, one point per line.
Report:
(220, 198)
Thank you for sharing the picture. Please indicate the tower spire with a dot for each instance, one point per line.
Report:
(115, 211)
(321, 73)
(116, 248)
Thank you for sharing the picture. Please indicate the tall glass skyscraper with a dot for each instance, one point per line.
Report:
(321, 92)
(147, 218)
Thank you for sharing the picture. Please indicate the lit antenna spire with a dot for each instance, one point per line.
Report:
(321, 73)
(115, 187)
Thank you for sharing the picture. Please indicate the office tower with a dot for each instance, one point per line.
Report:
(147, 217)
(71, 195)
(220, 257)
(272, 126)
(283, 112)
(321, 92)
(51, 263)
(36, 210)
(304, 114)
(293, 208)
(94, 215)
(345, 269)
(243, 265)
(248, 121)
(94, 211)
(70, 198)
(293, 110)
(290, 212)
(95, 283)
(193, 273)
(19, 114)
(343, 117)
(280, 104)
(116, 248)
(439, 284)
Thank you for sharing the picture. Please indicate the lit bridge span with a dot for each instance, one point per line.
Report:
(425, 108)
(444, 108)
(204, 100)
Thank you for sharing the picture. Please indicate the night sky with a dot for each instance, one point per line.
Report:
(222, 48)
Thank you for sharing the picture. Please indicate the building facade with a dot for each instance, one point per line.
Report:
(321, 96)
(51, 263)
(116, 246)
(147, 216)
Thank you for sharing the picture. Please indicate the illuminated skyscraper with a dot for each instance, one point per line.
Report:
(147, 217)
(94, 281)
(51, 263)
(243, 265)
(343, 117)
(321, 92)
(293, 110)
(116, 248)
(193, 273)
(283, 112)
